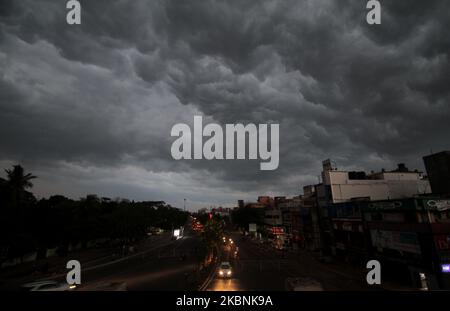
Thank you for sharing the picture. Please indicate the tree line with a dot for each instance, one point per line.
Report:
(31, 225)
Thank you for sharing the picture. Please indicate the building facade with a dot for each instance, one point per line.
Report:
(395, 184)
(438, 170)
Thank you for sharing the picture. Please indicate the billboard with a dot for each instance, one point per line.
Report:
(401, 241)
(438, 205)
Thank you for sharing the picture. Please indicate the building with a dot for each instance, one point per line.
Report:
(438, 170)
(350, 237)
(413, 236)
(322, 204)
(249, 213)
(389, 216)
(385, 185)
(221, 211)
(410, 237)
(341, 186)
(202, 210)
(310, 219)
(255, 205)
(290, 211)
(273, 217)
(266, 200)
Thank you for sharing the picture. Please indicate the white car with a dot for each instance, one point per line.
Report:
(48, 286)
(225, 270)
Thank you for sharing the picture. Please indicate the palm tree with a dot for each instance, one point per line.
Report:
(17, 180)
(18, 198)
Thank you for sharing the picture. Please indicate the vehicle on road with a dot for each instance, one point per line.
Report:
(303, 284)
(154, 231)
(225, 270)
(47, 286)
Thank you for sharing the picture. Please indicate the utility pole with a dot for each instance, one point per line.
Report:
(185, 205)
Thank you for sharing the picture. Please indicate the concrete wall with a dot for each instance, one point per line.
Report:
(395, 186)
(273, 217)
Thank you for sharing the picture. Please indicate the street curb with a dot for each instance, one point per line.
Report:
(208, 280)
(106, 263)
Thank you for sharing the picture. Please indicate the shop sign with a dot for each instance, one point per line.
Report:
(401, 241)
(388, 205)
(277, 230)
(442, 242)
(439, 205)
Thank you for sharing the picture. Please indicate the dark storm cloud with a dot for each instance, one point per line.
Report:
(105, 94)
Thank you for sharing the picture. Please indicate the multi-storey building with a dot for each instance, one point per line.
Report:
(438, 170)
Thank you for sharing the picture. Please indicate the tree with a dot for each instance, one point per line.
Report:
(28, 225)
(17, 179)
(212, 233)
(17, 203)
(18, 182)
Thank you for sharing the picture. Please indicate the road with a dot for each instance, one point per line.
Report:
(260, 267)
(157, 266)
(256, 267)
(160, 268)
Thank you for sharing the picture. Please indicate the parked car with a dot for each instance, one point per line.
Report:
(47, 286)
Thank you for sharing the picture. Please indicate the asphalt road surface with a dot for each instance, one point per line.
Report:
(159, 269)
(259, 267)
(256, 267)
(158, 266)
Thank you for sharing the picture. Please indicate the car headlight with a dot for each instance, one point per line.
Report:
(229, 272)
(221, 272)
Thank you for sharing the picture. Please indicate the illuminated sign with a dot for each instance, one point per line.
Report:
(277, 230)
(445, 268)
(176, 232)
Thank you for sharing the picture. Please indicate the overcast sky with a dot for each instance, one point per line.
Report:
(89, 108)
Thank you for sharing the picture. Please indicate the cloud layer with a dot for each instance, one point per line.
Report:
(89, 108)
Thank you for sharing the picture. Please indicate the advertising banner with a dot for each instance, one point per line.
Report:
(401, 241)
